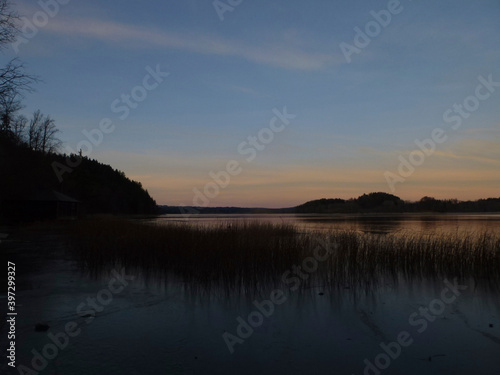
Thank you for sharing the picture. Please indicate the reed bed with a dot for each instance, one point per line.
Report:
(251, 256)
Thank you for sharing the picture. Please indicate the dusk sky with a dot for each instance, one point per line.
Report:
(433, 65)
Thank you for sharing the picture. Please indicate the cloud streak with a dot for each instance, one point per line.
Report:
(279, 54)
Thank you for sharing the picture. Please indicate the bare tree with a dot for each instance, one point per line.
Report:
(34, 131)
(18, 128)
(8, 23)
(9, 105)
(14, 81)
(49, 140)
(42, 133)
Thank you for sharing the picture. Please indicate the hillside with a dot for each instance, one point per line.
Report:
(383, 202)
(99, 187)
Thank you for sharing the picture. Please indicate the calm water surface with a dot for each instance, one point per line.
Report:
(383, 224)
(154, 326)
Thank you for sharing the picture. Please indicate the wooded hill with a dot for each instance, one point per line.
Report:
(99, 187)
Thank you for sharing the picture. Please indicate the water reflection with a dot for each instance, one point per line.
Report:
(376, 224)
(363, 295)
(324, 327)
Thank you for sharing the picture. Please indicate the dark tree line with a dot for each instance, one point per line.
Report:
(429, 204)
(99, 187)
(364, 204)
(383, 202)
(373, 202)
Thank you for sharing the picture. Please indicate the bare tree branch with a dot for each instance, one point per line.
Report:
(50, 142)
(34, 131)
(8, 23)
(42, 133)
(14, 80)
(18, 128)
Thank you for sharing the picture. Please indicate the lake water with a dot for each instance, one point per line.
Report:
(382, 224)
(153, 326)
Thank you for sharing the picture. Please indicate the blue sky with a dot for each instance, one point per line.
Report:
(353, 120)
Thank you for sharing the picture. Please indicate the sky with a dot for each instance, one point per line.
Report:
(273, 103)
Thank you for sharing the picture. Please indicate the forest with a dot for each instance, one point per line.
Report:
(99, 187)
(383, 202)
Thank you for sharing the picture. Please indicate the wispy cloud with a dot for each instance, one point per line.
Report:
(275, 53)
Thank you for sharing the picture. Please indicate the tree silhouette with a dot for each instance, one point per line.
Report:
(42, 133)
(18, 128)
(14, 81)
(8, 23)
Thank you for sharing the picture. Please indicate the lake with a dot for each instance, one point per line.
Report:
(380, 223)
(145, 323)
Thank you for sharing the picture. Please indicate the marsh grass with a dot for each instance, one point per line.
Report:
(250, 256)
